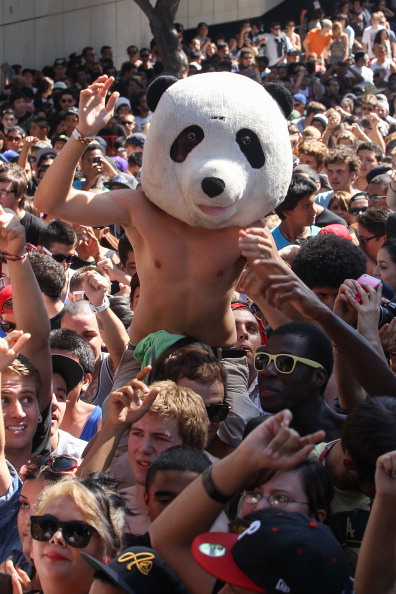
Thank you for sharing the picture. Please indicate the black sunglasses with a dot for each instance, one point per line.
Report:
(357, 210)
(7, 326)
(217, 412)
(61, 258)
(56, 463)
(75, 533)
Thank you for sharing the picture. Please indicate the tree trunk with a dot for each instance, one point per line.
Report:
(161, 18)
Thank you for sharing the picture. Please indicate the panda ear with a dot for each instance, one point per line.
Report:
(157, 88)
(282, 96)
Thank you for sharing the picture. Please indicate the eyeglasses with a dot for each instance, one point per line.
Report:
(60, 258)
(375, 198)
(125, 123)
(364, 240)
(217, 412)
(14, 138)
(277, 500)
(4, 193)
(144, 55)
(7, 326)
(283, 363)
(56, 463)
(75, 533)
(358, 210)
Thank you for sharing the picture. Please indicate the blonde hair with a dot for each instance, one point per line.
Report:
(311, 132)
(186, 407)
(24, 367)
(99, 504)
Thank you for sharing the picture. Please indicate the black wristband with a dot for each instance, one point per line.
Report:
(211, 488)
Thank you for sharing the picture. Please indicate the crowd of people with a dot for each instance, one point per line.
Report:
(197, 464)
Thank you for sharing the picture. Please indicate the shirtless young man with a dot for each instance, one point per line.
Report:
(187, 273)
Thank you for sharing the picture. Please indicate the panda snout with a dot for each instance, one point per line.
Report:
(213, 186)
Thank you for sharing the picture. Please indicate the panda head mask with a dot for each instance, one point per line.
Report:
(217, 152)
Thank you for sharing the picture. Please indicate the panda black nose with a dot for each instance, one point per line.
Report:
(212, 186)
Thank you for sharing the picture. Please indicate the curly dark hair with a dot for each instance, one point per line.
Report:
(327, 260)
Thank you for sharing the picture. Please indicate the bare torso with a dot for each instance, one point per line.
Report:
(187, 275)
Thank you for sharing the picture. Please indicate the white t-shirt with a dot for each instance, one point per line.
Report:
(68, 445)
(368, 38)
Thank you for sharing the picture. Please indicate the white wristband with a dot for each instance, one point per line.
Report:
(99, 308)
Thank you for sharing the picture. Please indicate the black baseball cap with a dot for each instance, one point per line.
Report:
(69, 369)
(137, 570)
(279, 552)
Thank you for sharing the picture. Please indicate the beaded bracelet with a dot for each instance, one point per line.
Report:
(14, 257)
(85, 140)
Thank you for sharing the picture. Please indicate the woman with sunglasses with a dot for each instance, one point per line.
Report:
(39, 473)
(74, 516)
(357, 205)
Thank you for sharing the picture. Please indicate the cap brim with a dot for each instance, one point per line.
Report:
(111, 574)
(69, 369)
(212, 552)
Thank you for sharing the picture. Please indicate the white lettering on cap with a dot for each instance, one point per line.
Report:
(282, 586)
(254, 526)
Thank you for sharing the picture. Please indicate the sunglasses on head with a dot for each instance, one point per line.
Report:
(7, 326)
(75, 533)
(283, 363)
(217, 412)
(56, 463)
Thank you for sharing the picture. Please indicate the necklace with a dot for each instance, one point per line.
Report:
(289, 239)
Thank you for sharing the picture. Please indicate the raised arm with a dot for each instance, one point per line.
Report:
(28, 305)
(73, 205)
(125, 408)
(271, 445)
(111, 328)
(367, 365)
(376, 566)
(10, 347)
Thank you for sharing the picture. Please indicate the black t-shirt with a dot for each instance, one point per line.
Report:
(329, 218)
(55, 322)
(33, 226)
(110, 135)
(41, 439)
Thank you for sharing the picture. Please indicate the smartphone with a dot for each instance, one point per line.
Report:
(367, 279)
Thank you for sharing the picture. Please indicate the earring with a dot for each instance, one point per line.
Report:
(40, 418)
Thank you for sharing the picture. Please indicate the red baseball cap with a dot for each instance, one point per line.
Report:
(5, 295)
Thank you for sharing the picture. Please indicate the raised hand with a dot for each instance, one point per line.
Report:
(12, 233)
(94, 112)
(96, 287)
(126, 405)
(273, 444)
(10, 347)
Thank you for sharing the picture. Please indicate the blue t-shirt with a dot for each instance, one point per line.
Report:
(281, 241)
(9, 507)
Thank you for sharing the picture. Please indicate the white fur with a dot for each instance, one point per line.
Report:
(249, 193)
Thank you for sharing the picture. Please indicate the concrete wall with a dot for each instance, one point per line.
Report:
(35, 32)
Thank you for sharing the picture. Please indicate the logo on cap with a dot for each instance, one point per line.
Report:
(142, 561)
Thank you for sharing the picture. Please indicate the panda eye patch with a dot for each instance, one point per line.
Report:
(188, 139)
(250, 146)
